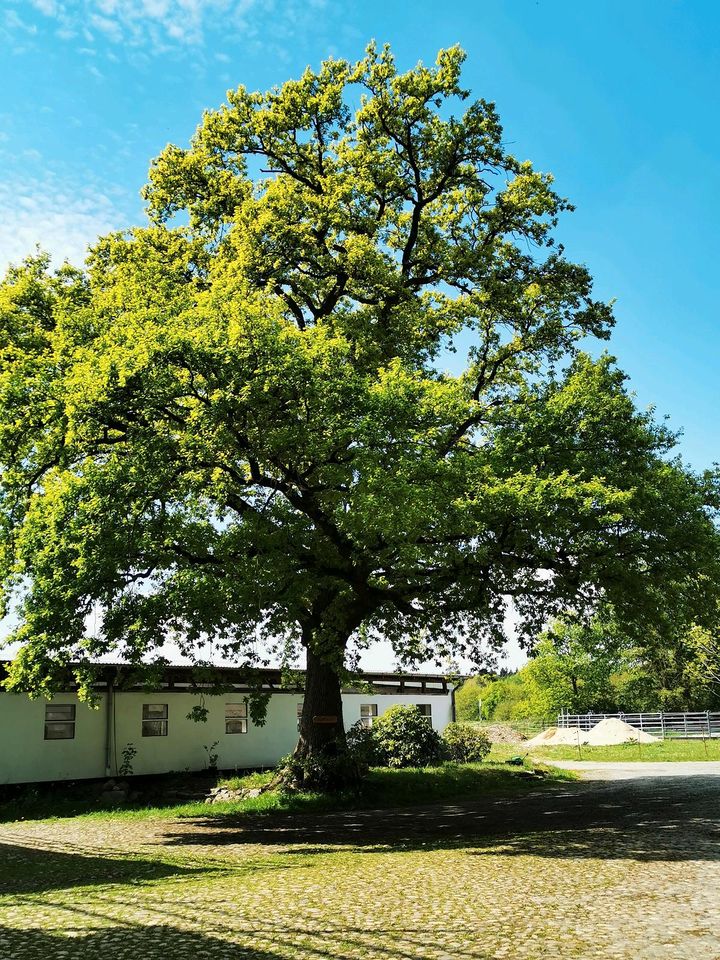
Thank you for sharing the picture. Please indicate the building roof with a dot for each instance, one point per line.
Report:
(183, 679)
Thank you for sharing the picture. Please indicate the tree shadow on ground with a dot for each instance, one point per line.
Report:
(38, 801)
(267, 942)
(162, 926)
(148, 943)
(26, 869)
(666, 819)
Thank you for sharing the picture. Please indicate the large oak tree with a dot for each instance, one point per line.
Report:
(238, 418)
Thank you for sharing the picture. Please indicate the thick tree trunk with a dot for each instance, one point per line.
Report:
(321, 759)
(321, 725)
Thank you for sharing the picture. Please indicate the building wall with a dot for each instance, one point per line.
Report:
(25, 756)
(184, 746)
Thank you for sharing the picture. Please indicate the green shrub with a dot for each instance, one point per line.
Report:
(334, 769)
(363, 747)
(404, 737)
(465, 744)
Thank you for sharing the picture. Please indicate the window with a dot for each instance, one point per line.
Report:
(60, 721)
(368, 712)
(425, 709)
(236, 718)
(155, 720)
(298, 712)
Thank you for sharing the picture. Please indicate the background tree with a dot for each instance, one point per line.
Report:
(469, 694)
(705, 669)
(596, 667)
(238, 418)
(572, 669)
(678, 669)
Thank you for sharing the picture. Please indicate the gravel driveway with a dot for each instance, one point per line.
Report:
(608, 869)
(590, 770)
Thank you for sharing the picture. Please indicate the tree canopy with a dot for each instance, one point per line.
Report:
(595, 667)
(334, 389)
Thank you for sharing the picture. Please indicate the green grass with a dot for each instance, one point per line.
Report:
(664, 750)
(381, 789)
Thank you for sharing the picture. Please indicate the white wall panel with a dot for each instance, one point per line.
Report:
(25, 756)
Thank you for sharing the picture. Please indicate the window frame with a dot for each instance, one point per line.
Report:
(163, 721)
(232, 718)
(367, 719)
(68, 722)
(426, 710)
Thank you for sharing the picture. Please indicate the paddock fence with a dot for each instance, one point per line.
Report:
(698, 725)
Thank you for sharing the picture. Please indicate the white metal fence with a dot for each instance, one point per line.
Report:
(703, 724)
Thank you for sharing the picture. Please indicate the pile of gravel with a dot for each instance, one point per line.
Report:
(502, 733)
(559, 736)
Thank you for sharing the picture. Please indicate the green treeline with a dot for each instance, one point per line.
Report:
(591, 668)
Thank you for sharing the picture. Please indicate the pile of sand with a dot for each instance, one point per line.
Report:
(612, 730)
(558, 736)
(607, 733)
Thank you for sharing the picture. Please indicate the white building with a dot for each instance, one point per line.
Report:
(65, 739)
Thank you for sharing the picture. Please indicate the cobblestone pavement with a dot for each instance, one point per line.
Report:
(604, 870)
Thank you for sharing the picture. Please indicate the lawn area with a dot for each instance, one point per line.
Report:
(677, 750)
(382, 789)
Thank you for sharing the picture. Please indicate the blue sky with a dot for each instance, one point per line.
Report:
(618, 99)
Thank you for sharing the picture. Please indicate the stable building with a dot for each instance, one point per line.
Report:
(66, 739)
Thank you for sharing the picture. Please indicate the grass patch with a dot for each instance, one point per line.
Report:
(249, 782)
(664, 750)
(386, 788)
(382, 789)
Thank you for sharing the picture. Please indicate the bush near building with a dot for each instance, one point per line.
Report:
(404, 737)
(465, 744)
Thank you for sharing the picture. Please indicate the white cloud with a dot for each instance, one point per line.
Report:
(156, 23)
(48, 7)
(59, 217)
(111, 28)
(160, 26)
(14, 22)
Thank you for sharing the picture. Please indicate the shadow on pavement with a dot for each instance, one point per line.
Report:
(25, 869)
(670, 819)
